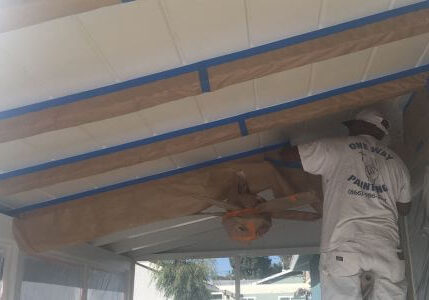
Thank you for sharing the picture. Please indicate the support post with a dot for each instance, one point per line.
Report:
(237, 275)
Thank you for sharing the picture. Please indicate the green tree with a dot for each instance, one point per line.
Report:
(183, 279)
(286, 260)
(256, 267)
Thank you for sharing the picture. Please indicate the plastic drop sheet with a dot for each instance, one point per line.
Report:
(47, 279)
(418, 222)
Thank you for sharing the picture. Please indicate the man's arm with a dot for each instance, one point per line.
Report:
(403, 208)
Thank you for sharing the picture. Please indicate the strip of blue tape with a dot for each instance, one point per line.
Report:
(225, 121)
(214, 61)
(204, 80)
(243, 127)
(124, 184)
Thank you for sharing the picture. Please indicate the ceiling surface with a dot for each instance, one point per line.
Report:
(112, 44)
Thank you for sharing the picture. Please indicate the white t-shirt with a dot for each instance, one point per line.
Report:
(362, 181)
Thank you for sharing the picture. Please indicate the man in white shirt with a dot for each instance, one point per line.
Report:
(365, 185)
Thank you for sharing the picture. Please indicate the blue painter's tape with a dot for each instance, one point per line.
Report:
(204, 80)
(243, 127)
(214, 61)
(226, 121)
(124, 184)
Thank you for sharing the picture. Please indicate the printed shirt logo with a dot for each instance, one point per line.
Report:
(369, 188)
(371, 168)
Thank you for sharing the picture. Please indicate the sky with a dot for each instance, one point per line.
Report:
(223, 267)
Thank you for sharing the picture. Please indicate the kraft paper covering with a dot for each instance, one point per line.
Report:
(100, 107)
(285, 118)
(316, 50)
(89, 218)
(181, 86)
(117, 160)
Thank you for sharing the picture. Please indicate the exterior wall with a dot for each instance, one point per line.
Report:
(419, 242)
(268, 291)
(268, 296)
(143, 286)
(9, 250)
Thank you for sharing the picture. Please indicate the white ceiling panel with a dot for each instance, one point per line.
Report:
(339, 71)
(399, 3)
(272, 20)
(194, 156)
(173, 115)
(229, 101)
(63, 143)
(18, 154)
(111, 177)
(425, 58)
(338, 11)
(272, 137)
(16, 84)
(134, 38)
(397, 56)
(282, 87)
(206, 28)
(69, 187)
(26, 198)
(58, 56)
(153, 167)
(118, 130)
(140, 170)
(234, 146)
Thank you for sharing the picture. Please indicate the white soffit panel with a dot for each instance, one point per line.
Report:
(397, 56)
(118, 130)
(69, 187)
(271, 137)
(63, 143)
(206, 28)
(272, 20)
(399, 3)
(338, 11)
(234, 146)
(425, 58)
(229, 101)
(16, 84)
(58, 56)
(134, 37)
(173, 115)
(339, 71)
(283, 87)
(26, 198)
(18, 154)
(194, 156)
(140, 170)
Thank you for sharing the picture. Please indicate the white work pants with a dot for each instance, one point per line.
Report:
(340, 271)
